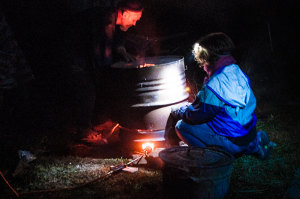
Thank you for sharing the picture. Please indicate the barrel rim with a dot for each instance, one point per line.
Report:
(228, 162)
(132, 65)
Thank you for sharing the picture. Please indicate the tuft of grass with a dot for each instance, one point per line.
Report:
(63, 172)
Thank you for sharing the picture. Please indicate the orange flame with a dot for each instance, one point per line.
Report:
(147, 146)
(145, 65)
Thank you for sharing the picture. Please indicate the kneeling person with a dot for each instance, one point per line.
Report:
(222, 114)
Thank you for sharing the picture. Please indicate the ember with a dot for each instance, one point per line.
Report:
(102, 133)
(145, 65)
(95, 138)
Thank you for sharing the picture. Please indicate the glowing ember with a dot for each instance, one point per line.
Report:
(95, 138)
(148, 145)
(145, 65)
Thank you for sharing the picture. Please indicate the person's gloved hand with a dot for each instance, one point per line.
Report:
(179, 112)
(126, 56)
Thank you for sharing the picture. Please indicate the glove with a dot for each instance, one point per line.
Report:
(179, 112)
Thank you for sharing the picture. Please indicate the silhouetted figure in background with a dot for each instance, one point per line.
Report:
(92, 41)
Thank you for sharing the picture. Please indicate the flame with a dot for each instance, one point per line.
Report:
(148, 145)
(145, 65)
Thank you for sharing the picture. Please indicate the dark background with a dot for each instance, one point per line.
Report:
(262, 30)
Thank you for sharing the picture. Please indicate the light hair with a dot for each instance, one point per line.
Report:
(200, 53)
(211, 47)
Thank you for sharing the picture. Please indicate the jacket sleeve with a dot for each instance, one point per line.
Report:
(206, 106)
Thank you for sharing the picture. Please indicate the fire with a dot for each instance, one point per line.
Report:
(145, 65)
(148, 146)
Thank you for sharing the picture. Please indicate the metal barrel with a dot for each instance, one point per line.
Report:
(195, 172)
(146, 92)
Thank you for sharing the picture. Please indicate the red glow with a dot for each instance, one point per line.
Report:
(128, 18)
(145, 65)
(101, 133)
(95, 138)
(148, 145)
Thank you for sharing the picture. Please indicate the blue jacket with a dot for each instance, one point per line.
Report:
(226, 103)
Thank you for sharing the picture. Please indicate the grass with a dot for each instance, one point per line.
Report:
(251, 177)
(63, 172)
(66, 172)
